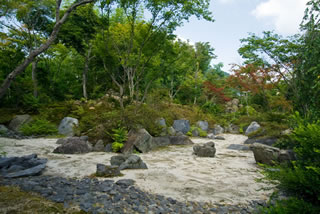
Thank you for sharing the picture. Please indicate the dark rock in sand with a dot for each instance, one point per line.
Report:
(73, 145)
(140, 140)
(238, 147)
(29, 165)
(128, 162)
(107, 171)
(206, 150)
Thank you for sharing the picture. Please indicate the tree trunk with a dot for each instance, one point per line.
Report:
(33, 54)
(34, 78)
(85, 72)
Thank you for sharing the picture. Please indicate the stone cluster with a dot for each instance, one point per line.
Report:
(107, 196)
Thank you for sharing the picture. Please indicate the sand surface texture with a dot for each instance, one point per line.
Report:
(229, 178)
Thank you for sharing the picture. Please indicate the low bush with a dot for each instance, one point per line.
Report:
(39, 127)
(292, 205)
(302, 178)
(119, 135)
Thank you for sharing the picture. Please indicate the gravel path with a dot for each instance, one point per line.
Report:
(107, 196)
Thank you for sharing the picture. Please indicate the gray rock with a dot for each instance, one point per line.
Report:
(206, 150)
(18, 121)
(195, 133)
(180, 140)
(36, 170)
(160, 141)
(3, 129)
(84, 138)
(29, 165)
(99, 146)
(128, 162)
(140, 140)
(219, 138)
(203, 125)
(62, 141)
(108, 147)
(73, 145)
(181, 126)
(269, 141)
(171, 131)
(217, 130)
(211, 136)
(67, 125)
(265, 154)
(253, 127)
(107, 171)
(125, 182)
(238, 147)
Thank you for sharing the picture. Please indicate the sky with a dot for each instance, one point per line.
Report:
(235, 19)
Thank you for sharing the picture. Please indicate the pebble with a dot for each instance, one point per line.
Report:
(119, 197)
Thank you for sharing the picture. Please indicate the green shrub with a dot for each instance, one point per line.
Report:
(39, 127)
(302, 178)
(119, 135)
(292, 205)
(116, 147)
(201, 132)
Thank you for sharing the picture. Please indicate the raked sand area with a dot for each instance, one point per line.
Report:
(228, 178)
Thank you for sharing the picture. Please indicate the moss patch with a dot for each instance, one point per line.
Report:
(13, 200)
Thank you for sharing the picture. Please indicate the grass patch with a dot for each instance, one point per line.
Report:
(13, 200)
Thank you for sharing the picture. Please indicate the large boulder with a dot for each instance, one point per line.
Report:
(140, 140)
(206, 150)
(270, 155)
(67, 125)
(73, 145)
(128, 162)
(265, 154)
(180, 140)
(217, 130)
(18, 121)
(107, 171)
(204, 125)
(253, 127)
(181, 126)
(14, 167)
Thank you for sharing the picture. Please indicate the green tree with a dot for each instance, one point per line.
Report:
(44, 45)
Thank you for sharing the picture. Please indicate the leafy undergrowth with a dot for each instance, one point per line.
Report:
(14, 201)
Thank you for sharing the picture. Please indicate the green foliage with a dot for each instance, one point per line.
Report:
(302, 179)
(116, 147)
(6, 115)
(39, 127)
(31, 103)
(291, 205)
(119, 136)
(200, 131)
(212, 108)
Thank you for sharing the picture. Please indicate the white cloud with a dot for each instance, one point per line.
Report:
(285, 15)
